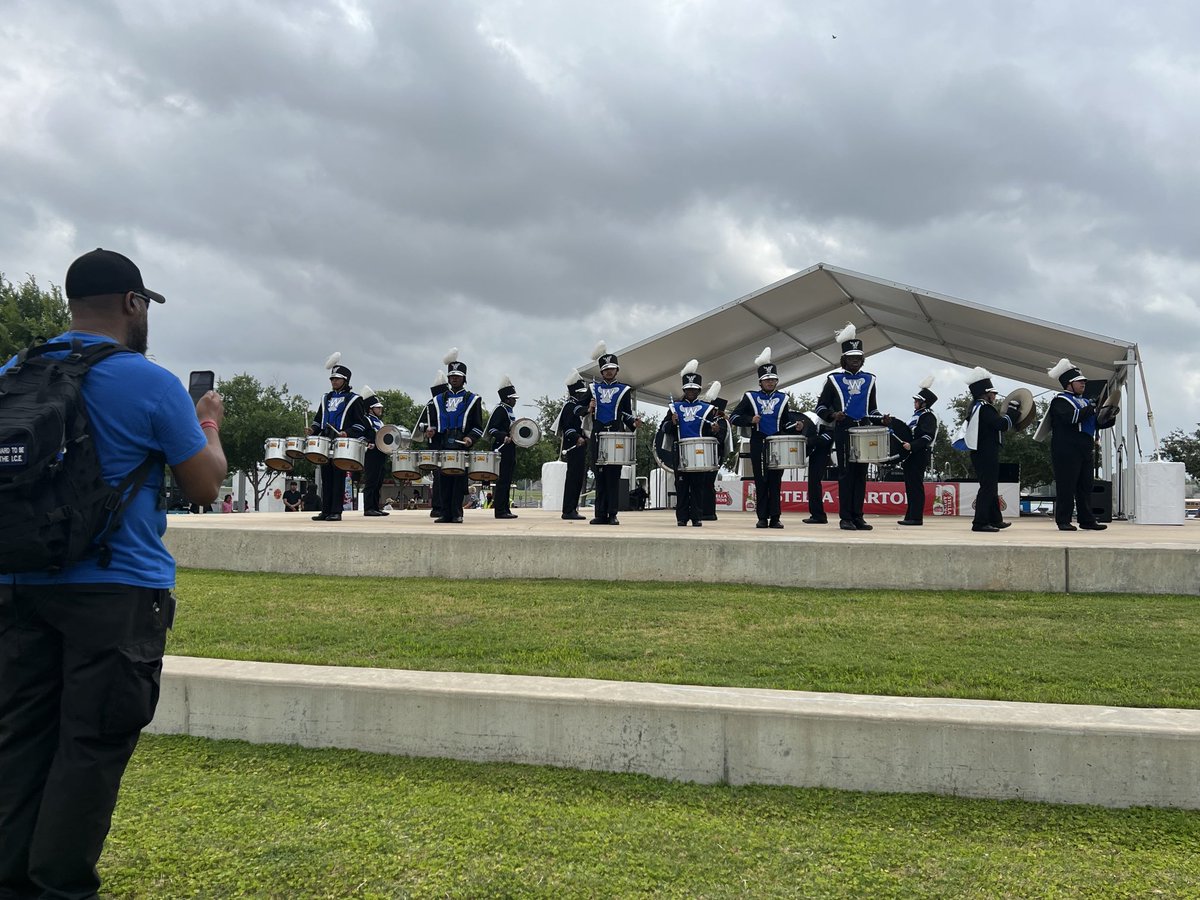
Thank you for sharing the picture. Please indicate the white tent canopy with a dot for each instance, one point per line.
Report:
(798, 317)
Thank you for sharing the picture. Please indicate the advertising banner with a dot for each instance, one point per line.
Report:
(887, 498)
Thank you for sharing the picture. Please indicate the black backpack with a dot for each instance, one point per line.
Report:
(57, 509)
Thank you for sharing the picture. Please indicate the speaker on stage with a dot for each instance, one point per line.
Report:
(1102, 501)
(623, 495)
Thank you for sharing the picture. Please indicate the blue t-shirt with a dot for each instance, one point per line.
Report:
(135, 407)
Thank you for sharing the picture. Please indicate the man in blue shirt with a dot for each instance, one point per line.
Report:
(81, 649)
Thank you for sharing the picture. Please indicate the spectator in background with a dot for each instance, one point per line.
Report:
(292, 498)
(227, 504)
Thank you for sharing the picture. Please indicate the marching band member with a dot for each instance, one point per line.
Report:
(819, 448)
(341, 415)
(435, 477)
(1072, 448)
(984, 435)
(724, 435)
(375, 462)
(569, 427)
(848, 401)
(916, 441)
(690, 417)
(611, 408)
(765, 412)
(499, 425)
(455, 422)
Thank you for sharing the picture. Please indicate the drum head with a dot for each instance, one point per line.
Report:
(525, 433)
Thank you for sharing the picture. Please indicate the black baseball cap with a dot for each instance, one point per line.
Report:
(106, 272)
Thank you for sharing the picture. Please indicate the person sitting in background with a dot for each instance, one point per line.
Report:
(227, 504)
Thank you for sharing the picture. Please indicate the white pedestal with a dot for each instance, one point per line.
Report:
(1159, 493)
(554, 483)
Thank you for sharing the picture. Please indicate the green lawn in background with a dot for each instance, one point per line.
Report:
(1120, 650)
(216, 819)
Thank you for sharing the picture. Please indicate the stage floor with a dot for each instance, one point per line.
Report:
(942, 554)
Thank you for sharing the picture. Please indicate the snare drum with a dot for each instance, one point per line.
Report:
(453, 462)
(700, 454)
(294, 447)
(787, 451)
(870, 445)
(275, 455)
(349, 454)
(484, 465)
(429, 460)
(404, 465)
(317, 449)
(615, 448)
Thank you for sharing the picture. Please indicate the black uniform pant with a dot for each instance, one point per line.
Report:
(708, 496)
(333, 490)
(608, 485)
(852, 491)
(79, 679)
(818, 463)
(987, 502)
(576, 459)
(454, 489)
(914, 467)
(1073, 484)
(768, 485)
(373, 469)
(435, 493)
(502, 497)
(689, 495)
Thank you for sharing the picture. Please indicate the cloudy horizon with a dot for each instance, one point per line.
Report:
(521, 179)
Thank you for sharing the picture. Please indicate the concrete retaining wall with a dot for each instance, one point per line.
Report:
(1045, 752)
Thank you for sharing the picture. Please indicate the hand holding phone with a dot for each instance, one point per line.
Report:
(199, 384)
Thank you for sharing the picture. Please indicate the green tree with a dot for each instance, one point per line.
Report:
(1185, 448)
(399, 408)
(29, 315)
(1019, 447)
(253, 413)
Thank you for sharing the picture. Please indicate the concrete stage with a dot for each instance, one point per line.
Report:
(943, 554)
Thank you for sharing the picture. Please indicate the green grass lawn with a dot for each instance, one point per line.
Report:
(1106, 649)
(217, 819)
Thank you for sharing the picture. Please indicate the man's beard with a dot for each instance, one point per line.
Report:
(138, 337)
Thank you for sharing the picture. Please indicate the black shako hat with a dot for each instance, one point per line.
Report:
(106, 272)
(1066, 372)
(335, 370)
(979, 382)
(689, 375)
(851, 345)
(507, 392)
(766, 368)
(924, 393)
(453, 366)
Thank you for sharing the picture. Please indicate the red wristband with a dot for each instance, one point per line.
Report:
(209, 423)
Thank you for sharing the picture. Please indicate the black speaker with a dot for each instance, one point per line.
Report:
(1102, 501)
(623, 495)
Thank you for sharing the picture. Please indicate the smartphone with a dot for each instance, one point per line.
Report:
(199, 384)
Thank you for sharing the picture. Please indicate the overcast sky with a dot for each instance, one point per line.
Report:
(521, 179)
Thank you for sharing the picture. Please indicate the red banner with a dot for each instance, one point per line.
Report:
(883, 497)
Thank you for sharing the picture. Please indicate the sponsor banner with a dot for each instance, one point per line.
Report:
(888, 498)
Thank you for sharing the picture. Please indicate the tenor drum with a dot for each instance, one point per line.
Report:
(453, 462)
(349, 454)
(701, 454)
(787, 451)
(294, 447)
(404, 465)
(275, 455)
(317, 449)
(615, 448)
(429, 460)
(870, 445)
(484, 465)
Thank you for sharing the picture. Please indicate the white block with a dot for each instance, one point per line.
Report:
(1160, 492)
(554, 484)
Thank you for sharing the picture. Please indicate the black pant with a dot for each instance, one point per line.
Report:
(817, 464)
(1073, 484)
(435, 494)
(689, 500)
(987, 502)
(333, 490)
(914, 467)
(708, 495)
(608, 484)
(852, 491)
(576, 459)
(79, 679)
(373, 469)
(454, 490)
(768, 483)
(501, 499)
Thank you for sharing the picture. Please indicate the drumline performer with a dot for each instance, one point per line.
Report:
(765, 412)
(435, 477)
(985, 429)
(916, 445)
(375, 462)
(819, 437)
(455, 422)
(724, 435)
(499, 426)
(341, 415)
(848, 401)
(570, 427)
(1074, 423)
(611, 408)
(689, 418)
